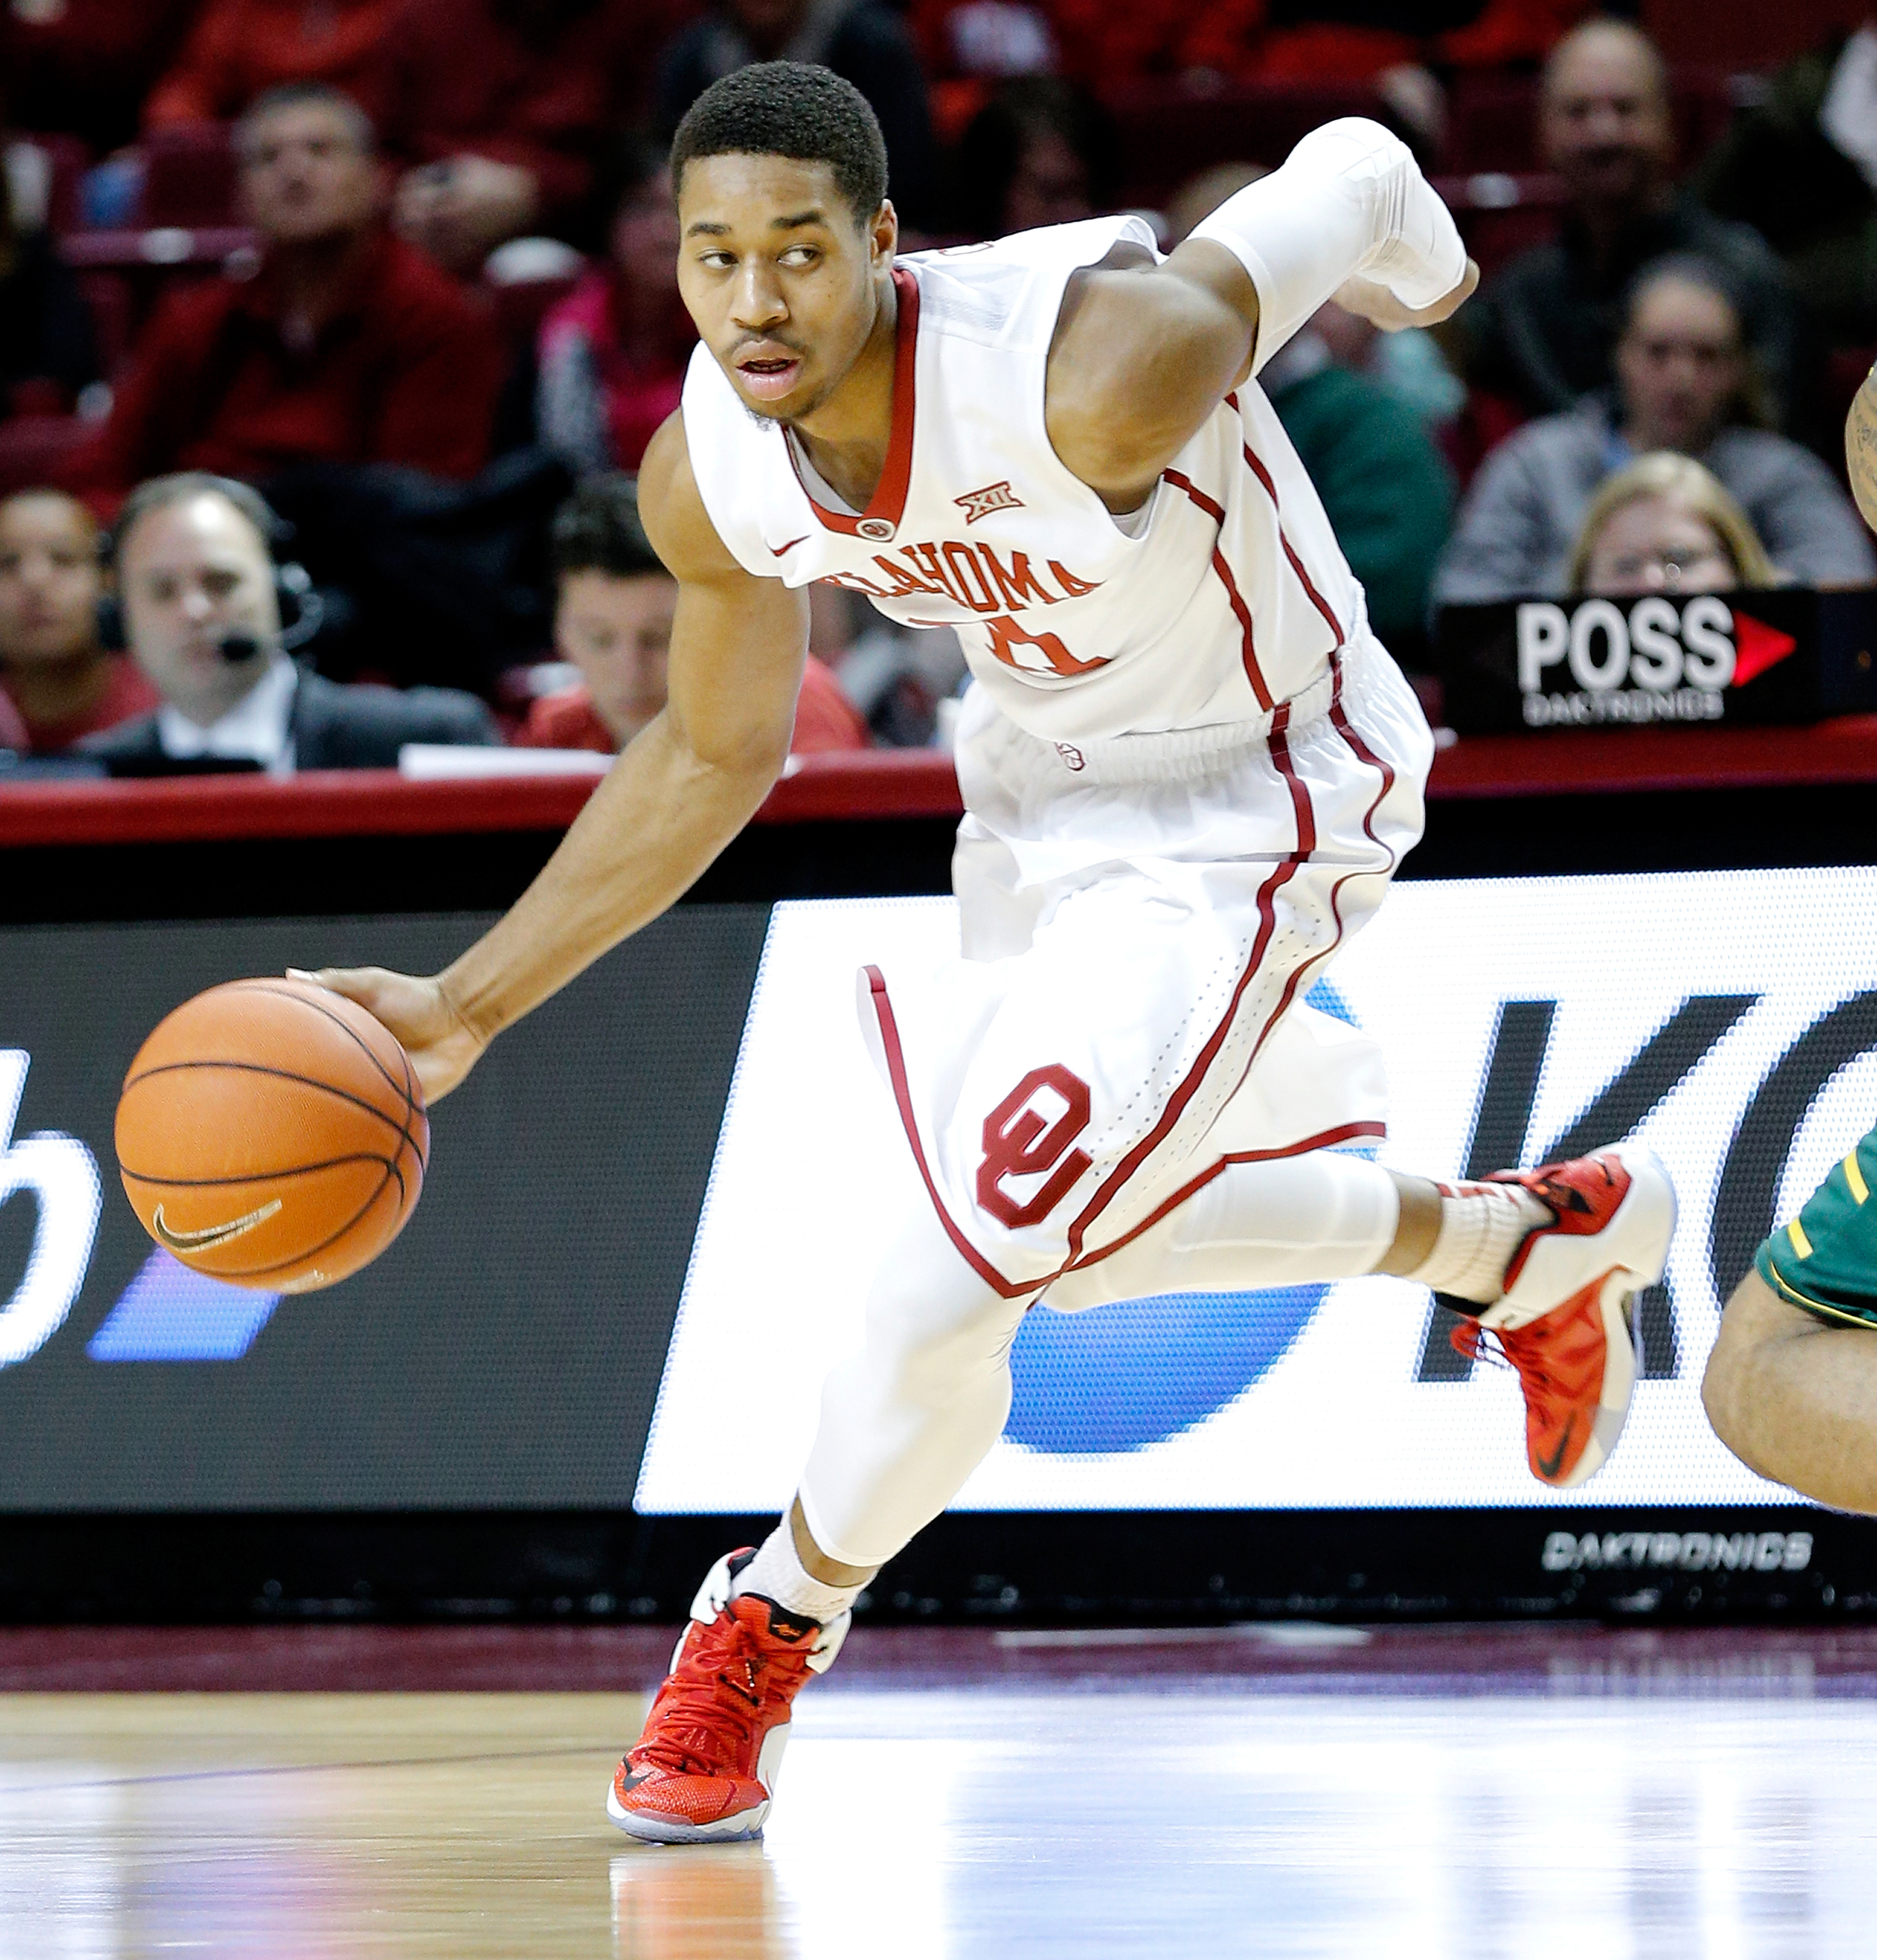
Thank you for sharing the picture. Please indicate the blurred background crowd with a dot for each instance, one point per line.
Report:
(332, 331)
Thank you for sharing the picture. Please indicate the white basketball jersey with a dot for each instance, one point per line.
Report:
(1226, 600)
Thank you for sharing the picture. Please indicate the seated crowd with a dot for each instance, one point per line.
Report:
(366, 483)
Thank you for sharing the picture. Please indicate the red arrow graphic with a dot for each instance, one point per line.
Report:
(1756, 647)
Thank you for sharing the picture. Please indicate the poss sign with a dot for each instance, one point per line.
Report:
(1782, 656)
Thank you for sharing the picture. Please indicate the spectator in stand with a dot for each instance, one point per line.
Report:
(499, 109)
(1685, 382)
(200, 595)
(612, 354)
(346, 346)
(239, 50)
(1543, 330)
(613, 622)
(57, 682)
(863, 41)
(1039, 152)
(47, 353)
(1802, 168)
(1663, 524)
(83, 67)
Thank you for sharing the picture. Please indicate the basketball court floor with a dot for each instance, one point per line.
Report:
(318, 1794)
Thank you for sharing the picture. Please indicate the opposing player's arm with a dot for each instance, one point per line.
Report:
(1143, 353)
(1860, 448)
(688, 782)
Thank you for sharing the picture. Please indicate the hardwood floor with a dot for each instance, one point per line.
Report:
(1237, 1793)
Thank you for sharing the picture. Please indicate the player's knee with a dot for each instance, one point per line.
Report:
(1720, 1385)
(933, 1334)
(931, 1356)
(1752, 1322)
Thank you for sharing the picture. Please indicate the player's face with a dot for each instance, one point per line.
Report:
(783, 282)
(49, 580)
(617, 631)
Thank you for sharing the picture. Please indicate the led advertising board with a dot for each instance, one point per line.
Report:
(651, 1214)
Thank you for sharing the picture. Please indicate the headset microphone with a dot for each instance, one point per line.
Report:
(238, 645)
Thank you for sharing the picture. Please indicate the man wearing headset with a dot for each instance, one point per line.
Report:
(202, 602)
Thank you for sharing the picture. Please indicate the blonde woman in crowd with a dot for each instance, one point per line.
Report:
(1666, 523)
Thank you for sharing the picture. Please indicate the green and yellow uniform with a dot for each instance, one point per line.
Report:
(1825, 1260)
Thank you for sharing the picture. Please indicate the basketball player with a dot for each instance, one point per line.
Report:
(1189, 771)
(1791, 1387)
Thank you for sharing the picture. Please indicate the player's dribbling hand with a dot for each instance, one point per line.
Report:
(442, 1046)
(1371, 301)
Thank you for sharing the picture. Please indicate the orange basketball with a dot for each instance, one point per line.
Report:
(272, 1134)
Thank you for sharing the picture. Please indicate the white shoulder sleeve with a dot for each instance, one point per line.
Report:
(1349, 198)
(729, 453)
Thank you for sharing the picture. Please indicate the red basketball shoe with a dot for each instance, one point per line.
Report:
(1566, 1320)
(704, 1769)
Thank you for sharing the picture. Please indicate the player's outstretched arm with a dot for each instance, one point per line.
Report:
(1143, 353)
(680, 793)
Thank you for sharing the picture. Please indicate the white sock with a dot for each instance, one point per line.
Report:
(777, 1573)
(1481, 1225)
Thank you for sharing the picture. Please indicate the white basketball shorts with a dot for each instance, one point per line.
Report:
(1141, 920)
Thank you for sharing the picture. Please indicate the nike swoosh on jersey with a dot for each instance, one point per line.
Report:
(209, 1235)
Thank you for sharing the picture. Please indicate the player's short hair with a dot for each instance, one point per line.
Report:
(598, 530)
(292, 95)
(159, 493)
(789, 109)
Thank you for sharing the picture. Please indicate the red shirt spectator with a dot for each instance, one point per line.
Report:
(240, 49)
(124, 694)
(56, 682)
(501, 106)
(825, 720)
(347, 346)
(612, 355)
(405, 369)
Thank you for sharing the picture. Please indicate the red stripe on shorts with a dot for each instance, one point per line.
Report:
(1240, 612)
(903, 1095)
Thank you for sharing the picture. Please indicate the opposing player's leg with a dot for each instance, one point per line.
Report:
(1797, 1399)
(1791, 1387)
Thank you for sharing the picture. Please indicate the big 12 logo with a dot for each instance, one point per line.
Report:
(63, 1176)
